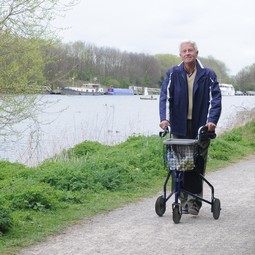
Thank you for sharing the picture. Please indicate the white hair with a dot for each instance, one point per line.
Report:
(188, 42)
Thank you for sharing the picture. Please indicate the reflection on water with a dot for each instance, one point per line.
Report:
(106, 119)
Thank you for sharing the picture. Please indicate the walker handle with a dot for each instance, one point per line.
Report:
(204, 134)
(165, 132)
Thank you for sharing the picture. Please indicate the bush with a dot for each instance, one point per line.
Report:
(5, 220)
(33, 198)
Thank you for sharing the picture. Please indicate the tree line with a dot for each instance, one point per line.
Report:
(40, 62)
(80, 62)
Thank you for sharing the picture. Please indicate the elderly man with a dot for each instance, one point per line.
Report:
(190, 98)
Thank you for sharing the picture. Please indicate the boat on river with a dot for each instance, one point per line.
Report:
(119, 91)
(227, 89)
(85, 89)
(148, 97)
(148, 94)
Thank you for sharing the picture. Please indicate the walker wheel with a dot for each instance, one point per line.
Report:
(160, 206)
(176, 213)
(216, 208)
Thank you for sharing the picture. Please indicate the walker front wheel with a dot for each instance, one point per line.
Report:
(176, 213)
(160, 206)
(216, 208)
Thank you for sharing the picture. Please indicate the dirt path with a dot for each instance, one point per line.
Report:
(136, 229)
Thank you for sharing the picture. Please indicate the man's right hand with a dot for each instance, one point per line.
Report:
(164, 123)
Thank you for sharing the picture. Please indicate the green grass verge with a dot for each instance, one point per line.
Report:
(91, 179)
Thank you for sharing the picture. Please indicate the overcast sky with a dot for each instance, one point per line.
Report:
(222, 29)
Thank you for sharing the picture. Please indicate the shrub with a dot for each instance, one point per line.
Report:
(5, 220)
(32, 198)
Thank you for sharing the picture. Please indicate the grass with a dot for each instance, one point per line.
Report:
(92, 178)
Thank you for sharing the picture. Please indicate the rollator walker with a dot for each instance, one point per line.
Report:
(183, 155)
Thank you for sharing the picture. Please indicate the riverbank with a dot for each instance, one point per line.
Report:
(136, 229)
(93, 178)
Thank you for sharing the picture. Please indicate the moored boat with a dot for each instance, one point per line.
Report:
(227, 89)
(85, 89)
(148, 93)
(148, 97)
(119, 91)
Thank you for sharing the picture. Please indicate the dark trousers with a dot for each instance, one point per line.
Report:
(191, 180)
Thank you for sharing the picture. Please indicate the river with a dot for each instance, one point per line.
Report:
(69, 120)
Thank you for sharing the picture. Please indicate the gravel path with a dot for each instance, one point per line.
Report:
(136, 229)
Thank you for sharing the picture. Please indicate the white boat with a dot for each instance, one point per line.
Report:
(148, 97)
(148, 93)
(227, 89)
(85, 89)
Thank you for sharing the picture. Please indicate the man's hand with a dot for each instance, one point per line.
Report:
(211, 126)
(164, 123)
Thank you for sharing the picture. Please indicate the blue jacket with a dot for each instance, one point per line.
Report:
(174, 99)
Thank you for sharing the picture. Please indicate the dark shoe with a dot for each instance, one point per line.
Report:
(185, 209)
(193, 210)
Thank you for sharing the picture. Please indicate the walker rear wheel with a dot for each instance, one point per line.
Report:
(160, 206)
(216, 208)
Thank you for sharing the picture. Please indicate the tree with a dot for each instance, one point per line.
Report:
(24, 27)
(31, 18)
(218, 67)
(89, 61)
(166, 61)
(245, 79)
(21, 66)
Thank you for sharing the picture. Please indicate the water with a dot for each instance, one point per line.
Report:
(106, 119)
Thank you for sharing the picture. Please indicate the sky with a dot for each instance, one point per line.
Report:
(222, 29)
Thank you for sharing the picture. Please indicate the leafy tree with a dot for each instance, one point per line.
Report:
(112, 82)
(21, 65)
(218, 67)
(125, 83)
(166, 61)
(23, 25)
(245, 79)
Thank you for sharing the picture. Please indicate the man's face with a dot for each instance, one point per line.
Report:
(188, 54)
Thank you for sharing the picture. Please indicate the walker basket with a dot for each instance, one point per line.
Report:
(181, 154)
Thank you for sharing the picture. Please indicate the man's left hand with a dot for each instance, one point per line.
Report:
(211, 126)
